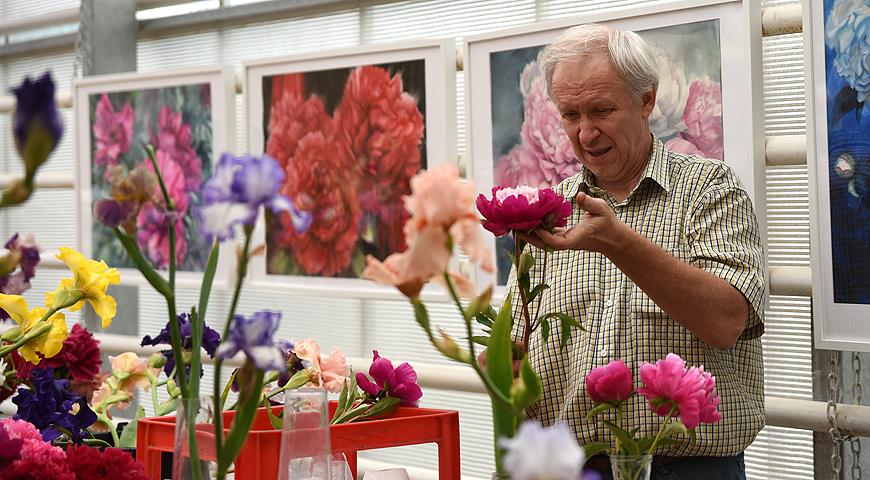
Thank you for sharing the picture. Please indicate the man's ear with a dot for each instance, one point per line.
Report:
(649, 102)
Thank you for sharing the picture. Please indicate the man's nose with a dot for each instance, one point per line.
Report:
(587, 133)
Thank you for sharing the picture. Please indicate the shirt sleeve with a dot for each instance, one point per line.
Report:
(724, 239)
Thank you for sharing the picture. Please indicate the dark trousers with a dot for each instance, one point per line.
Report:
(686, 468)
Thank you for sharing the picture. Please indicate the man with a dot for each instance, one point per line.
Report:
(662, 254)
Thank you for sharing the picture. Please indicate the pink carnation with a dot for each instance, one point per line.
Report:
(522, 208)
(703, 118)
(112, 131)
(39, 460)
(611, 383)
(671, 389)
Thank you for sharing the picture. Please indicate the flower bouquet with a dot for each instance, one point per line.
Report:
(684, 396)
(441, 216)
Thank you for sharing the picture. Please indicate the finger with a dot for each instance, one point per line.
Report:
(531, 238)
(556, 242)
(595, 206)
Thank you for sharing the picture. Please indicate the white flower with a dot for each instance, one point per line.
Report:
(2, 372)
(847, 32)
(536, 453)
(673, 92)
(845, 167)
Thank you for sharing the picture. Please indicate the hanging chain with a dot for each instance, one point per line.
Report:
(834, 397)
(855, 442)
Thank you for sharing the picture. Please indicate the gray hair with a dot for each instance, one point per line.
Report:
(632, 56)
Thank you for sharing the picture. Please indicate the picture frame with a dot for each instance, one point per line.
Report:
(354, 115)
(189, 117)
(838, 161)
(740, 87)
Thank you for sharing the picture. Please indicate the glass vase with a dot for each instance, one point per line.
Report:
(192, 414)
(631, 467)
(305, 450)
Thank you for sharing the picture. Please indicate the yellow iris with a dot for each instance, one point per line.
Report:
(47, 343)
(90, 281)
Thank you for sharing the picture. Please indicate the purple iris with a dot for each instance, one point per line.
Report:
(35, 107)
(210, 340)
(48, 407)
(253, 335)
(18, 281)
(112, 213)
(236, 190)
(399, 382)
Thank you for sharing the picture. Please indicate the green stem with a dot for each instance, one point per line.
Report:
(104, 419)
(240, 278)
(618, 422)
(41, 327)
(652, 448)
(159, 283)
(487, 382)
(527, 331)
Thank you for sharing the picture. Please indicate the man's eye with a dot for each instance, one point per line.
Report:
(602, 112)
(569, 115)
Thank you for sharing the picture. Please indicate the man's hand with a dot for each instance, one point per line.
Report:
(598, 231)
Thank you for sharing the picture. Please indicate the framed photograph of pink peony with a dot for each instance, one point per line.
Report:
(350, 128)
(187, 117)
(838, 160)
(707, 103)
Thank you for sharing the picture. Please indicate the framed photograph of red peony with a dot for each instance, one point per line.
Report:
(838, 161)
(187, 117)
(350, 128)
(707, 103)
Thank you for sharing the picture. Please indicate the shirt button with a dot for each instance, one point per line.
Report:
(603, 353)
(608, 303)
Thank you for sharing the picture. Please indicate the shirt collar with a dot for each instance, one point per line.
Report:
(656, 170)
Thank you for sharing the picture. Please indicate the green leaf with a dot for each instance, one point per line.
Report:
(498, 357)
(479, 304)
(527, 388)
(128, 436)
(537, 291)
(382, 407)
(480, 340)
(352, 413)
(598, 409)
(545, 329)
(342, 397)
(595, 448)
(526, 263)
(483, 320)
(626, 440)
(276, 421)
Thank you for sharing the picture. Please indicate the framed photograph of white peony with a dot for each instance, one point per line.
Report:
(349, 128)
(708, 100)
(187, 117)
(838, 159)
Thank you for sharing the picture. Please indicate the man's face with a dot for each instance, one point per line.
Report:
(608, 127)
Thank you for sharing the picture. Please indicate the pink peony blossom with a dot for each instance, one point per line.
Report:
(520, 167)
(522, 208)
(399, 382)
(671, 389)
(703, 118)
(174, 139)
(611, 383)
(112, 131)
(679, 144)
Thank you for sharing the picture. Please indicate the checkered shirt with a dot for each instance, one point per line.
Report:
(696, 210)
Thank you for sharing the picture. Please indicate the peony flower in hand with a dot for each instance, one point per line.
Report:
(522, 208)
(538, 453)
(398, 382)
(673, 390)
(611, 383)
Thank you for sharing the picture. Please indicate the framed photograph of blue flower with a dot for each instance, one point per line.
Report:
(350, 128)
(186, 117)
(707, 102)
(838, 161)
